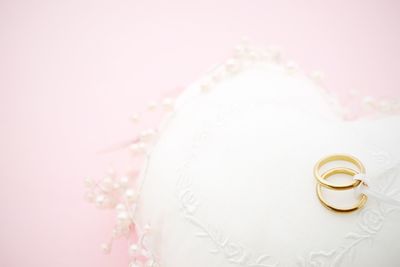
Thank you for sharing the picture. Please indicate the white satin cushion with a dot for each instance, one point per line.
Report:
(229, 182)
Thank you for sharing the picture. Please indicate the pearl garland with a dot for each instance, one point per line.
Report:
(106, 248)
(135, 118)
(152, 106)
(317, 76)
(232, 66)
(168, 104)
(291, 67)
(245, 56)
(120, 193)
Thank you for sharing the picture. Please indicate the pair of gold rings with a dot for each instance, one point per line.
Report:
(322, 180)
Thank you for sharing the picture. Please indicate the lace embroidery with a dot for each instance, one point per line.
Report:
(371, 219)
(233, 251)
(371, 222)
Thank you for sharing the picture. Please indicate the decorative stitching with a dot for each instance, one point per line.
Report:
(371, 222)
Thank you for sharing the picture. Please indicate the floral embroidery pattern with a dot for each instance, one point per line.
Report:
(371, 219)
(234, 252)
(371, 222)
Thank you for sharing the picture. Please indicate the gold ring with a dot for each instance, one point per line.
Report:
(337, 157)
(329, 173)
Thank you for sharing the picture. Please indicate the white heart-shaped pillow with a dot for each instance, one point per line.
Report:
(230, 182)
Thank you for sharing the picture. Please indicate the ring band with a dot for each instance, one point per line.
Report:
(337, 157)
(331, 172)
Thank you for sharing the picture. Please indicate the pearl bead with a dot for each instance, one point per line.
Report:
(116, 186)
(205, 86)
(151, 132)
(130, 195)
(239, 51)
(232, 66)
(137, 148)
(115, 233)
(134, 250)
(106, 248)
(147, 135)
(100, 200)
(146, 228)
(135, 118)
(144, 137)
(103, 201)
(216, 76)
(291, 67)
(317, 76)
(125, 228)
(369, 101)
(120, 207)
(107, 184)
(123, 217)
(276, 54)
(150, 263)
(168, 104)
(384, 106)
(89, 182)
(124, 180)
(134, 148)
(152, 106)
(253, 55)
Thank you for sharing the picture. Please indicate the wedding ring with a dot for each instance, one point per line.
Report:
(363, 198)
(338, 157)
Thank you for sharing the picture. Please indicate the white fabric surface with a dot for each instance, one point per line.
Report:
(229, 182)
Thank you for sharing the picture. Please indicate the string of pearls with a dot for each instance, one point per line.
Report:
(245, 55)
(383, 106)
(121, 193)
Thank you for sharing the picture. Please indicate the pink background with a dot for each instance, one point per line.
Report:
(72, 72)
